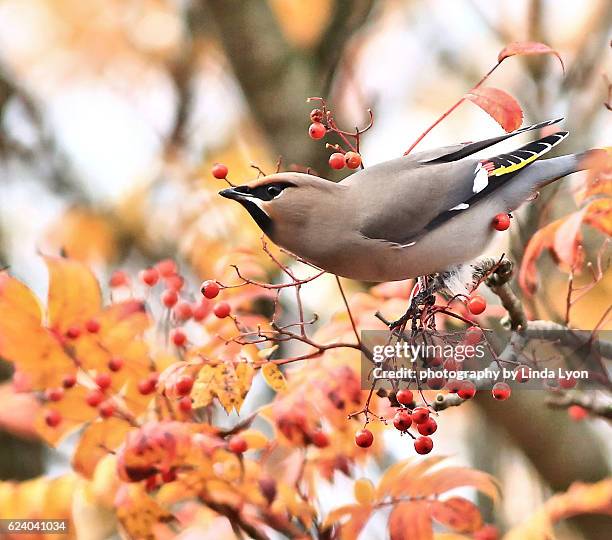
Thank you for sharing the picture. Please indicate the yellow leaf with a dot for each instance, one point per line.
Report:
(274, 377)
(138, 513)
(74, 293)
(364, 491)
(95, 443)
(255, 439)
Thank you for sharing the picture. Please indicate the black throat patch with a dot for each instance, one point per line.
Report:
(260, 217)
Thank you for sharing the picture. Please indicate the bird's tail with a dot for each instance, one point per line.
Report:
(549, 170)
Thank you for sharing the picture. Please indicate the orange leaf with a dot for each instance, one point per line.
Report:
(562, 238)
(74, 293)
(138, 513)
(34, 350)
(96, 441)
(526, 48)
(410, 521)
(599, 215)
(74, 413)
(403, 474)
(500, 105)
(442, 480)
(457, 514)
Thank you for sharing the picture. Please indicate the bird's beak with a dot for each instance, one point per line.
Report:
(232, 193)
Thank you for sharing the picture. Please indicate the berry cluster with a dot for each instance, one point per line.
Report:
(323, 123)
(408, 415)
(179, 309)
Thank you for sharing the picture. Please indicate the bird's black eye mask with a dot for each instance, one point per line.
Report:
(266, 192)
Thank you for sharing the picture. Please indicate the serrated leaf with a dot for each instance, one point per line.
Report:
(410, 521)
(274, 377)
(527, 48)
(457, 514)
(364, 491)
(499, 105)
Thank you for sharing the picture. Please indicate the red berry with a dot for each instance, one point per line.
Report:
(149, 277)
(115, 364)
(184, 385)
(467, 390)
(476, 304)
(473, 335)
(220, 171)
(166, 268)
(179, 338)
(92, 326)
(453, 385)
(501, 222)
(103, 380)
(168, 476)
(501, 391)
(183, 311)
(73, 332)
(427, 428)
(185, 404)
(352, 160)
(488, 532)
(118, 279)
(319, 439)
(107, 409)
(222, 310)
(522, 373)
(402, 420)
(404, 396)
(210, 289)
(568, 382)
(200, 311)
(174, 283)
(53, 418)
(336, 161)
(54, 394)
(577, 413)
(146, 386)
(69, 381)
(316, 130)
(364, 438)
(423, 445)
(94, 398)
(237, 445)
(169, 298)
(316, 115)
(436, 383)
(420, 415)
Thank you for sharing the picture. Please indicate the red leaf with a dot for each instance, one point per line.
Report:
(562, 238)
(457, 514)
(410, 521)
(500, 105)
(525, 48)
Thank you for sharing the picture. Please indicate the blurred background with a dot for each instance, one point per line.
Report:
(112, 113)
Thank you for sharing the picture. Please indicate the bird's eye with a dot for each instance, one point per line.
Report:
(274, 191)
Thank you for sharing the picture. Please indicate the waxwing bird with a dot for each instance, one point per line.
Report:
(425, 213)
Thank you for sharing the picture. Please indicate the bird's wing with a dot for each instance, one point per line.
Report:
(412, 203)
(460, 151)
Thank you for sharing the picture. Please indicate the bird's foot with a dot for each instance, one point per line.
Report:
(426, 296)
